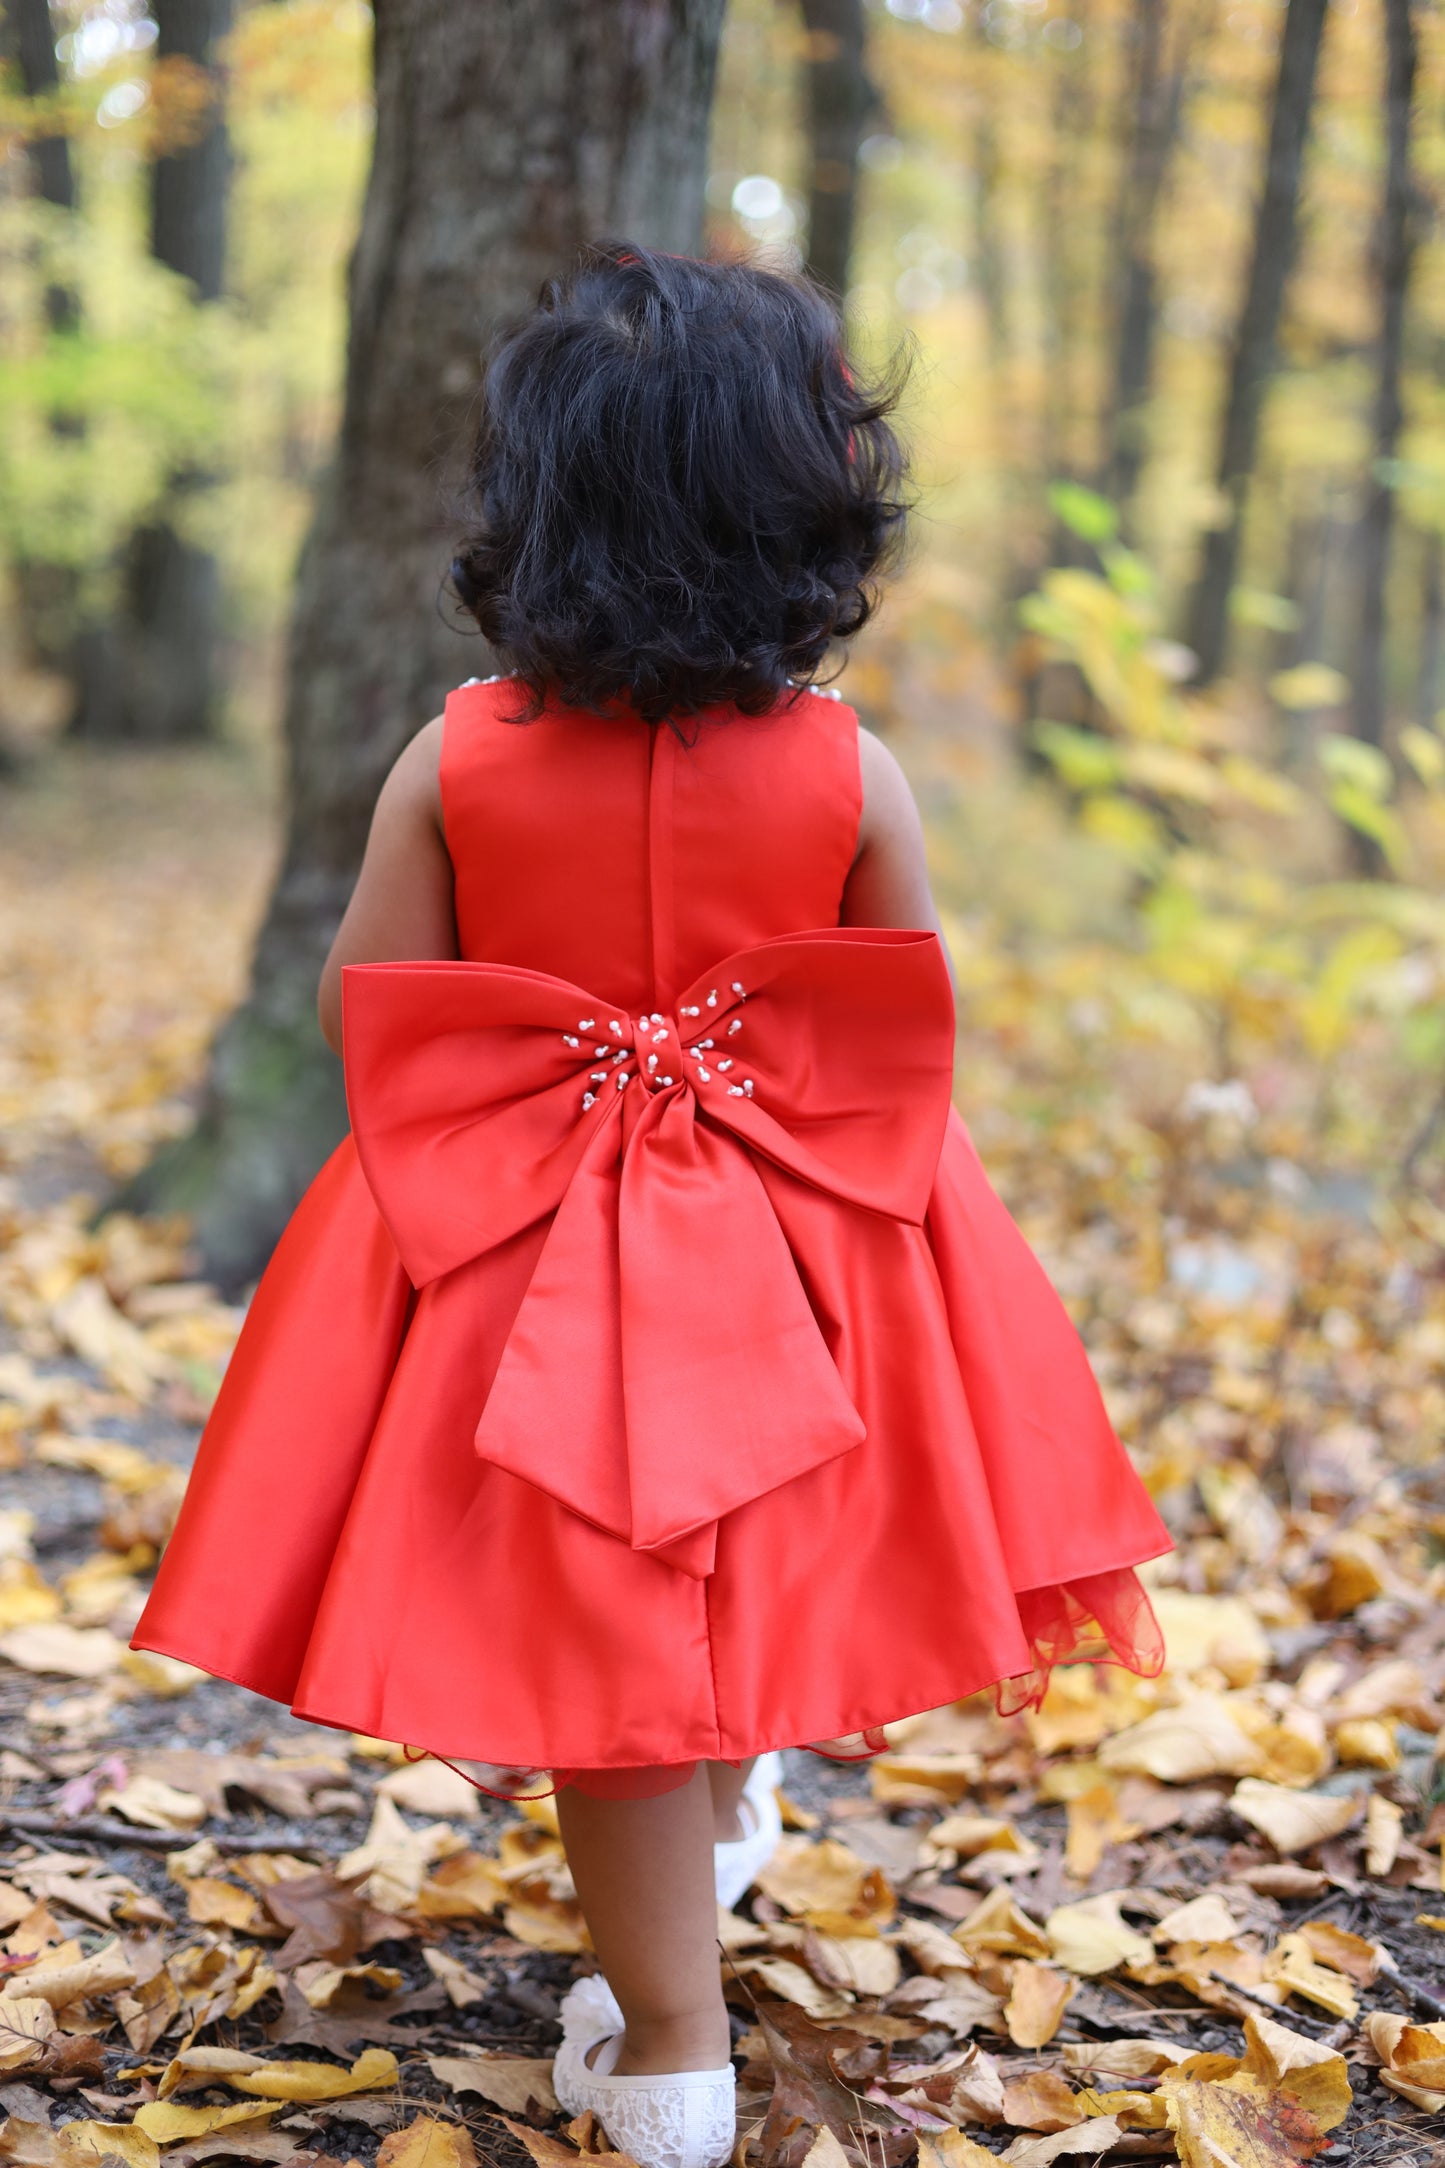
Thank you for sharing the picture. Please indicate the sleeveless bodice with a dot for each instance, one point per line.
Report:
(604, 850)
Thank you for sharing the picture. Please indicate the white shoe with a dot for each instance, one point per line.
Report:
(676, 2119)
(737, 1864)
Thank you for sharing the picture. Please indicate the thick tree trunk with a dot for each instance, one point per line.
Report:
(1429, 687)
(1157, 84)
(508, 133)
(1272, 259)
(840, 102)
(1395, 249)
(162, 648)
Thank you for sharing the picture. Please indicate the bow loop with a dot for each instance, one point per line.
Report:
(484, 1098)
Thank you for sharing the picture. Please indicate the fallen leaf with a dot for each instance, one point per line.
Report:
(68, 1652)
(513, 2082)
(1203, 1919)
(1292, 1821)
(1313, 2074)
(1384, 1830)
(1093, 2138)
(828, 1885)
(86, 2142)
(1038, 1998)
(149, 1803)
(391, 1865)
(1122, 2058)
(1040, 2100)
(948, 2149)
(431, 1787)
(427, 2143)
(1091, 1937)
(463, 1987)
(1240, 2124)
(1359, 1960)
(102, 1974)
(1413, 2055)
(26, 2024)
(1201, 1737)
(1000, 1925)
(166, 2122)
(317, 2081)
(1095, 1821)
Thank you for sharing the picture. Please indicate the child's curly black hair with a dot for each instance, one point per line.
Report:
(680, 490)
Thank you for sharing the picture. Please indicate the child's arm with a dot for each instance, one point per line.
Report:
(888, 885)
(401, 907)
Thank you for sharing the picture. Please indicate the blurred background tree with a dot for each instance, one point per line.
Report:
(1167, 662)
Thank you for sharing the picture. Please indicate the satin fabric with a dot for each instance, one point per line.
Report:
(426, 1507)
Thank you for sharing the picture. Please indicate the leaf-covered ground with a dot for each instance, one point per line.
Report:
(1198, 1917)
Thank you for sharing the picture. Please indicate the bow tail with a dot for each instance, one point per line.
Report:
(728, 1385)
(554, 1416)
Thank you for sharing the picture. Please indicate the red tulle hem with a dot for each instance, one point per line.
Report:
(1102, 1618)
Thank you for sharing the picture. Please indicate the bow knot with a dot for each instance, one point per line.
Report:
(665, 1297)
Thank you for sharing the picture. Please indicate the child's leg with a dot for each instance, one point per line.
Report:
(726, 1783)
(644, 1875)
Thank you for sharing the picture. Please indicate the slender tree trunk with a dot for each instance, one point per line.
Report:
(840, 102)
(46, 592)
(1158, 82)
(1062, 212)
(508, 132)
(1272, 260)
(1395, 249)
(164, 643)
(1428, 682)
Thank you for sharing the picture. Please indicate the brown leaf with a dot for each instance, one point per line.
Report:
(950, 2149)
(26, 2024)
(1292, 1821)
(550, 2152)
(809, 2094)
(1038, 1998)
(828, 1885)
(1040, 2101)
(515, 2082)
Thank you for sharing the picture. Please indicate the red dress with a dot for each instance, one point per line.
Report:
(653, 1375)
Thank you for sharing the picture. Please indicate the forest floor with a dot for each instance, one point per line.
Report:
(1197, 1917)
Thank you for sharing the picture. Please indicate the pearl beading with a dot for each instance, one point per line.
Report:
(627, 1047)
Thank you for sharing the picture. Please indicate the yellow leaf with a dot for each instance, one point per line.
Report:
(1095, 1821)
(950, 2149)
(211, 1902)
(427, 2143)
(165, 2122)
(1090, 1937)
(1367, 1742)
(150, 1804)
(829, 1886)
(317, 2081)
(82, 2143)
(1291, 1965)
(1200, 1738)
(1003, 1927)
(1203, 1919)
(59, 1985)
(1038, 1998)
(1315, 2075)
(1384, 1833)
(1292, 1821)
(1229, 2125)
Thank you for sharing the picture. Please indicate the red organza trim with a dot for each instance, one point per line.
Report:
(1102, 1618)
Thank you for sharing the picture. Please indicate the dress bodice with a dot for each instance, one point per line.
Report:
(606, 851)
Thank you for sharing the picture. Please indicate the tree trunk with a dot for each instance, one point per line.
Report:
(1156, 96)
(1428, 683)
(508, 133)
(1272, 259)
(840, 102)
(1395, 249)
(162, 648)
(1061, 283)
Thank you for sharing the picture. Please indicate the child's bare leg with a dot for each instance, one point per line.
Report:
(726, 1784)
(644, 1875)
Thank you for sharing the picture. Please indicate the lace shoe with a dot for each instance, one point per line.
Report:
(737, 1863)
(671, 2119)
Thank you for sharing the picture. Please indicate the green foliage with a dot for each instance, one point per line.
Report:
(1229, 919)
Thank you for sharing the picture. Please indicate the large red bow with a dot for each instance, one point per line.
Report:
(665, 1366)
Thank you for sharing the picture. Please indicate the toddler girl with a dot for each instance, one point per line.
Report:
(652, 1380)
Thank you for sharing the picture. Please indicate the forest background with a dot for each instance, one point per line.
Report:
(1166, 664)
